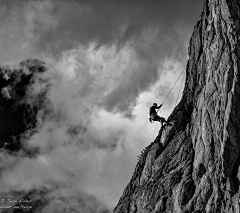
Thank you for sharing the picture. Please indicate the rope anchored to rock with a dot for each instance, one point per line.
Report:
(173, 87)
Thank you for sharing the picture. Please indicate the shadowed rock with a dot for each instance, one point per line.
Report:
(193, 165)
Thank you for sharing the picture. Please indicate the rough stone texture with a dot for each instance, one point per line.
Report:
(17, 110)
(193, 165)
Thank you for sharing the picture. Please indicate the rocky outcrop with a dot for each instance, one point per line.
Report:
(193, 165)
(17, 111)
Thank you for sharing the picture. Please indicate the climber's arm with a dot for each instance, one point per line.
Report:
(159, 106)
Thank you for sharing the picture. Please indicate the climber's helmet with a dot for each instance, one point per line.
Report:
(154, 104)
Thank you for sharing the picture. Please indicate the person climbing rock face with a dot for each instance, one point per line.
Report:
(154, 116)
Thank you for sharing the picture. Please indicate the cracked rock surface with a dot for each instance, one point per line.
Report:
(193, 166)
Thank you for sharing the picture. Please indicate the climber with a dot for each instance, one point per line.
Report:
(153, 114)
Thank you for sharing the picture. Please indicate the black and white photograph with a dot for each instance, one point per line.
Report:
(119, 106)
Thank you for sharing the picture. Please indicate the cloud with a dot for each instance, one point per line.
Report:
(22, 23)
(75, 134)
(82, 146)
(107, 62)
(34, 27)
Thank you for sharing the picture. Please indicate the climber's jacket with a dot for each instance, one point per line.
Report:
(153, 112)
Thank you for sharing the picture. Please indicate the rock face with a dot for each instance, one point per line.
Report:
(193, 166)
(17, 111)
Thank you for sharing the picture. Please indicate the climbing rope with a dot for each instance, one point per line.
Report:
(177, 96)
(172, 89)
(173, 86)
(176, 105)
(179, 90)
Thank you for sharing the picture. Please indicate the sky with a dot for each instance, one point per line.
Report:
(107, 62)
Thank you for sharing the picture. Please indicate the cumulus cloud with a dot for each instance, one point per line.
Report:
(106, 64)
(79, 142)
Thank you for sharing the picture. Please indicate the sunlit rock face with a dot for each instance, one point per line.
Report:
(193, 165)
(18, 105)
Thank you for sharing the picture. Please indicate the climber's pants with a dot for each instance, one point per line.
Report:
(155, 117)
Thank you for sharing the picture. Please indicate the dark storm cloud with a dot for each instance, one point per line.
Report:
(110, 21)
(54, 27)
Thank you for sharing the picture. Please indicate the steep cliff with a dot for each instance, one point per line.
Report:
(193, 165)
